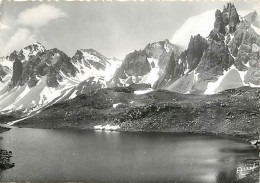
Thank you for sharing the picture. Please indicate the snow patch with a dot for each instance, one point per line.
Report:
(7, 63)
(115, 105)
(140, 92)
(196, 76)
(153, 75)
(107, 127)
(256, 29)
(73, 95)
(253, 85)
(212, 86)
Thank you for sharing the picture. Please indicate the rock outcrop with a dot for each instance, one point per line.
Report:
(17, 71)
(147, 65)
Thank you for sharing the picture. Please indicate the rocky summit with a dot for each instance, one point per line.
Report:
(227, 58)
(147, 65)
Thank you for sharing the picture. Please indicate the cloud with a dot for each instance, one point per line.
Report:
(28, 25)
(39, 16)
(199, 24)
(2, 26)
(22, 37)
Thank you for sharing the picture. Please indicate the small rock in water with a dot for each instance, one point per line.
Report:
(5, 162)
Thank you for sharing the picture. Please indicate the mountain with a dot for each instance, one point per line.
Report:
(227, 58)
(38, 77)
(145, 66)
(35, 77)
(91, 63)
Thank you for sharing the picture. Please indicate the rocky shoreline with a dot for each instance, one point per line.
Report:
(5, 155)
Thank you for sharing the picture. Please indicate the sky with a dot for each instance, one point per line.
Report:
(112, 28)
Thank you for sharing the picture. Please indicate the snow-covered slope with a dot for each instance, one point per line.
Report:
(90, 63)
(37, 77)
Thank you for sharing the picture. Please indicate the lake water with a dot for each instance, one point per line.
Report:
(79, 155)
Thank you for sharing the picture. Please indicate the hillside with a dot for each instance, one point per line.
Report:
(234, 111)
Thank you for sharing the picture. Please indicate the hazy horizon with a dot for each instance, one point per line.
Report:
(112, 28)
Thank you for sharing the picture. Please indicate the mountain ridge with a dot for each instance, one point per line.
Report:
(36, 77)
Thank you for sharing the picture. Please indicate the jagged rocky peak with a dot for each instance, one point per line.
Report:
(215, 60)
(13, 56)
(135, 64)
(245, 44)
(225, 22)
(147, 65)
(156, 49)
(34, 48)
(230, 17)
(228, 58)
(26, 53)
(196, 47)
(90, 58)
(181, 64)
(53, 64)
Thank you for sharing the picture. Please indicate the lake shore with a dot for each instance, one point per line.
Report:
(5, 155)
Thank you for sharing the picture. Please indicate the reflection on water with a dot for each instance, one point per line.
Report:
(77, 155)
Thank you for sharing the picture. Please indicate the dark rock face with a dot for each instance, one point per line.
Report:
(17, 71)
(215, 59)
(219, 25)
(13, 56)
(140, 63)
(173, 70)
(140, 86)
(225, 22)
(232, 19)
(135, 64)
(245, 45)
(193, 54)
(186, 62)
(51, 64)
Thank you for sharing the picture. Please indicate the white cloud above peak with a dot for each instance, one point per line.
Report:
(40, 16)
(199, 24)
(21, 38)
